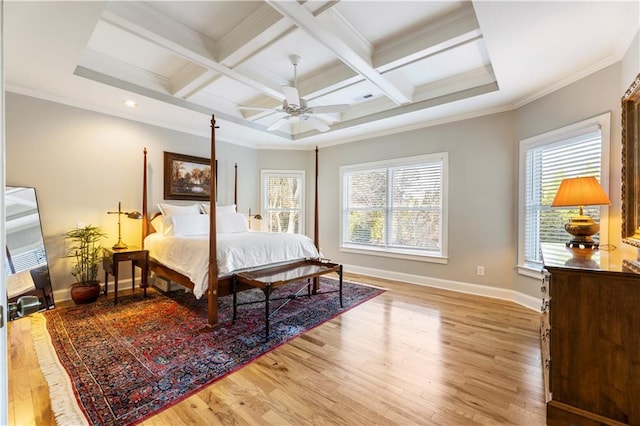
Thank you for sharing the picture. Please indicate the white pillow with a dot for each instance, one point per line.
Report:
(193, 224)
(174, 210)
(231, 208)
(231, 223)
(158, 224)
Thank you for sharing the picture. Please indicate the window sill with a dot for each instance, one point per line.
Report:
(531, 271)
(396, 255)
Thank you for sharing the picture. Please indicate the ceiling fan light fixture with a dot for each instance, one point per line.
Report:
(296, 107)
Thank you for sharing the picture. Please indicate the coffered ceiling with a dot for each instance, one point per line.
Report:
(362, 68)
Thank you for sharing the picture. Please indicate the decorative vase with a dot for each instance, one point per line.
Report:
(85, 293)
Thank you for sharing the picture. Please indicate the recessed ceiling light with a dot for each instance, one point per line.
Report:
(130, 103)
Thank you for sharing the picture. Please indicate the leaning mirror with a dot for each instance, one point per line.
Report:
(630, 163)
(28, 283)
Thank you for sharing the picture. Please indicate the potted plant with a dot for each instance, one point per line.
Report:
(87, 252)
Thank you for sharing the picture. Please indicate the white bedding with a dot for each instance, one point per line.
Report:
(190, 255)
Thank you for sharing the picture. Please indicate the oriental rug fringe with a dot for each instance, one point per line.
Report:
(119, 364)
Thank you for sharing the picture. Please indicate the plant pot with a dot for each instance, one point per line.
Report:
(85, 293)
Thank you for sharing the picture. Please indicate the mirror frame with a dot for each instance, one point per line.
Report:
(42, 279)
(630, 162)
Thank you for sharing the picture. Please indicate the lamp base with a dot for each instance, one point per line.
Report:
(579, 244)
(582, 228)
(119, 245)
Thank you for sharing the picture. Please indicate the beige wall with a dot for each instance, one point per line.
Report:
(481, 198)
(596, 94)
(82, 163)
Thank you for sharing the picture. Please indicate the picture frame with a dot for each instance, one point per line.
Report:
(186, 177)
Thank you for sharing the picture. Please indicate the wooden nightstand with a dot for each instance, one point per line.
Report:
(112, 258)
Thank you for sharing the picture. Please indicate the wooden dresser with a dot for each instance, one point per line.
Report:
(591, 338)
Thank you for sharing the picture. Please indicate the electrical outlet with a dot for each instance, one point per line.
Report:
(80, 225)
(480, 271)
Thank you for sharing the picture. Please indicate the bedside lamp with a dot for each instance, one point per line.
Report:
(131, 215)
(580, 192)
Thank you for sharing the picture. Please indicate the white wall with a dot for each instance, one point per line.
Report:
(82, 163)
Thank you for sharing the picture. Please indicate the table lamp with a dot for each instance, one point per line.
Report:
(131, 215)
(580, 192)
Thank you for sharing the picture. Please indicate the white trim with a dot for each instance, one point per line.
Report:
(530, 271)
(509, 295)
(393, 162)
(372, 251)
(602, 122)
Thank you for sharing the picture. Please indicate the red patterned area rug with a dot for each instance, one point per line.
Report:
(118, 364)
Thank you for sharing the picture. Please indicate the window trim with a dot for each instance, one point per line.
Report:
(442, 257)
(264, 173)
(603, 122)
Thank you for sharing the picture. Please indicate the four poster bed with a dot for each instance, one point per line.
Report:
(211, 279)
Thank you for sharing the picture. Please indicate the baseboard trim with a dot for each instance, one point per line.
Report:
(62, 295)
(461, 287)
(525, 300)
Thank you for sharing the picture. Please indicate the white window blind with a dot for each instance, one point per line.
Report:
(546, 166)
(395, 206)
(283, 201)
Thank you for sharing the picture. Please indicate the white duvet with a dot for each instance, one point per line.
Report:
(190, 255)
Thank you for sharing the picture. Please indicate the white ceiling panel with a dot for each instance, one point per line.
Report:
(396, 64)
(212, 19)
(230, 90)
(454, 61)
(378, 21)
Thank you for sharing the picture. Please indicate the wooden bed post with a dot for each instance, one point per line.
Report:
(212, 289)
(145, 215)
(316, 232)
(316, 236)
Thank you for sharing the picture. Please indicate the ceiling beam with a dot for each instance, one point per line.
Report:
(146, 22)
(348, 47)
(190, 80)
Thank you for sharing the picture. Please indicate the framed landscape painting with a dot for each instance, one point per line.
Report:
(186, 177)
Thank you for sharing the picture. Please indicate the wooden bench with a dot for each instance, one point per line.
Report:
(270, 278)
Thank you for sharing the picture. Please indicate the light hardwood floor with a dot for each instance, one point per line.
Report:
(414, 355)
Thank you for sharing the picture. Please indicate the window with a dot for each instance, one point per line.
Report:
(283, 200)
(578, 150)
(396, 207)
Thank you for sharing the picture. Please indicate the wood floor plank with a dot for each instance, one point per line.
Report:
(414, 355)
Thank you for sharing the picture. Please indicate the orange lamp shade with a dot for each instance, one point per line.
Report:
(580, 191)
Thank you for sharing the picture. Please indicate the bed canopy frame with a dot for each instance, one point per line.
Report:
(217, 286)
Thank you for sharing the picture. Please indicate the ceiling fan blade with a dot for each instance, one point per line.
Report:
(322, 109)
(278, 124)
(291, 93)
(315, 123)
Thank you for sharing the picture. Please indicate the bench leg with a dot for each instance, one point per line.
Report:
(267, 297)
(340, 274)
(235, 297)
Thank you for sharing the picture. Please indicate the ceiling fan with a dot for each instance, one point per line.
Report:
(296, 109)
